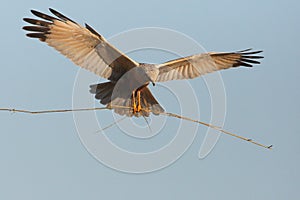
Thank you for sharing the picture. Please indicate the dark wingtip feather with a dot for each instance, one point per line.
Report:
(36, 22)
(40, 36)
(92, 30)
(253, 57)
(248, 58)
(61, 16)
(249, 49)
(240, 63)
(43, 16)
(252, 52)
(249, 61)
(36, 29)
(27, 20)
(53, 11)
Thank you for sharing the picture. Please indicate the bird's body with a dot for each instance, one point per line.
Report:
(130, 89)
(126, 91)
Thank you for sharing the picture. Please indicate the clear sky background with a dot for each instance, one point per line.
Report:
(42, 157)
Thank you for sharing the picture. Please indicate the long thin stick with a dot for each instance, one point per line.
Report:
(164, 113)
(112, 124)
(218, 129)
(51, 111)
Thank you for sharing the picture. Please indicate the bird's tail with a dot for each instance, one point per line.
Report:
(149, 103)
(103, 91)
(122, 103)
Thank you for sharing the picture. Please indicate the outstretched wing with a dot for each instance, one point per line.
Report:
(83, 45)
(200, 64)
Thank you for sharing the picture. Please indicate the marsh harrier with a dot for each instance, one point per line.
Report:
(126, 90)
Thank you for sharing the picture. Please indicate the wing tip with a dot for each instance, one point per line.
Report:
(249, 51)
(60, 15)
(52, 10)
(40, 36)
(92, 30)
(40, 29)
(248, 58)
(43, 16)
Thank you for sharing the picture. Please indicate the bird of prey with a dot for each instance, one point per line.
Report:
(126, 90)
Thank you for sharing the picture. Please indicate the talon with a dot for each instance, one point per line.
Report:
(139, 107)
(134, 109)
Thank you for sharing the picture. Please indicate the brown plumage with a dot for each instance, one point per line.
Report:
(128, 79)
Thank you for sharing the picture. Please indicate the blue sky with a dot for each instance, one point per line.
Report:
(43, 158)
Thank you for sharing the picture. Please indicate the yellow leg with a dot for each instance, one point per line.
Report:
(133, 102)
(139, 107)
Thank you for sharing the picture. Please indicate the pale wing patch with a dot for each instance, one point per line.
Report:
(78, 44)
(197, 65)
(83, 45)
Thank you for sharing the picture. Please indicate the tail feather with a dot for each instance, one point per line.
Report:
(122, 104)
(149, 102)
(103, 91)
